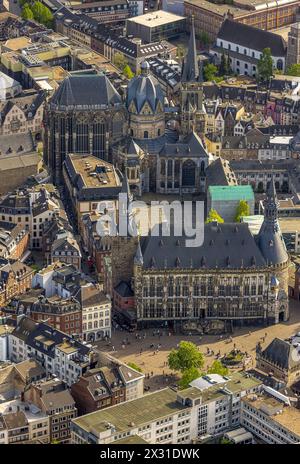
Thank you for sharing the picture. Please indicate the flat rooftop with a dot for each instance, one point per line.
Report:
(221, 10)
(31, 411)
(286, 416)
(235, 382)
(141, 411)
(289, 224)
(239, 7)
(95, 172)
(156, 18)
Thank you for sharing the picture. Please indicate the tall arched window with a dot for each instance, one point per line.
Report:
(146, 135)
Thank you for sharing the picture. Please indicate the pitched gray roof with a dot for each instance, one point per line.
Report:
(225, 246)
(251, 37)
(191, 146)
(279, 352)
(86, 90)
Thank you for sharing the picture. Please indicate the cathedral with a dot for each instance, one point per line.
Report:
(87, 115)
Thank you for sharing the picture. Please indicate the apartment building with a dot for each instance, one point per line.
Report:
(37, 420)
(96, 312)
(112, 383)
(14, 240)
(15, 278)
(270, 417)
(59, 354)
(60, 313)
(55, 400)
(211, 406)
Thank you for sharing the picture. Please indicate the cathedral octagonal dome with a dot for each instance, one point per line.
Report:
(145, 89)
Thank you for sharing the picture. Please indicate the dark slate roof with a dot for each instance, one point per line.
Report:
(225, 246)
(16, 144)
(123, 289)
(270, 239)
(190, 69)
(145, 88)
(28, 331)
(86, 90)
(219, 172)
(154, 146)
(251, 37)
(191, 146)
(279, 352)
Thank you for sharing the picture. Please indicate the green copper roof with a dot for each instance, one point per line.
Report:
(234, 192)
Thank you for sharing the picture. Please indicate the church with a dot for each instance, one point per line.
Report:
(87, 115)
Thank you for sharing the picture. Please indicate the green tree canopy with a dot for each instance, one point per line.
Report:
(210, 71)
(27, 12)
(204, 38)
(293, 70)
(188, 376)
(128, 72)
(224, 68)
(243, 209)
(185, 357)
(218, 368)
(134, 366)
(213, 215)
(120, 61)
(181, 51)
(265, 65)
(41, 13)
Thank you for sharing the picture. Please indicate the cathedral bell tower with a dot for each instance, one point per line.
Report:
(192, 114)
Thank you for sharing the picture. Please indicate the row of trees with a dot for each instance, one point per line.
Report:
(37, 11)
(189, 361)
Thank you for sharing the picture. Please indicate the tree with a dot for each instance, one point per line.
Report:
(225, 441)
(218, 368)
(204, 38)
(42, 14)
(120, 61)
(293, 70)
(242, 210)
(27, 12)
(265, 65)
(188, 376)
(128, 72)
(134, 366)
(224, 69)
(181, 51)
(210, 72)
(185, 357)
(213, 215)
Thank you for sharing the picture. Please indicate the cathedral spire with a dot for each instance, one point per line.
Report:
(270, 239)
(138, 259)
(190, 69)
(271, 206)
(125, 187)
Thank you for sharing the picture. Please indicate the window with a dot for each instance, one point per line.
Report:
(146, 135)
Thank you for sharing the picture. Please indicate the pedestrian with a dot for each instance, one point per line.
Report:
(113, 348)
